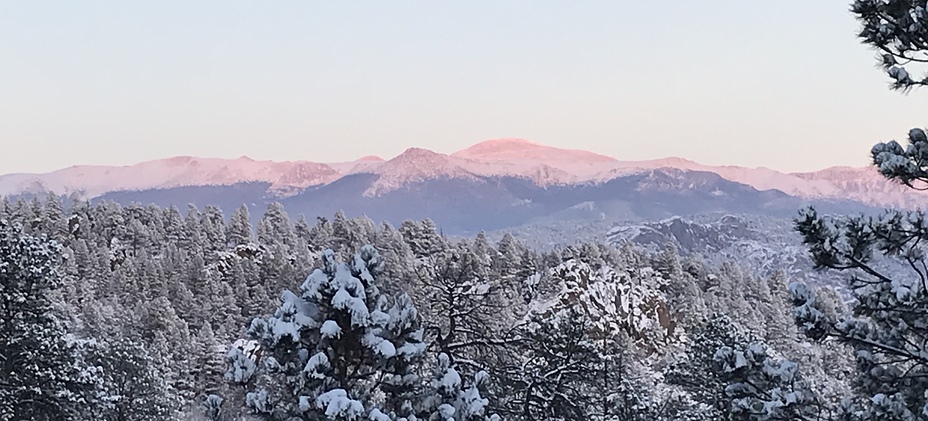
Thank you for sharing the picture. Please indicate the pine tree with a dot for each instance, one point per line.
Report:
(238, 230)
(6, 209)
(212, 225)
(274, 228)
(345, 236)
(108, 222)
(398, 275)
(42, 374)
(683, 294)
(193, 240)
(54, 223)
(897, 30)
(207, 363)
(257, 300)
(764, 389)
(133, 388)
(339, 349)
(553, 379)
(422, 237)
(450, 398)
(888, 325)
(781, 332)
(170, 341)
(695, 372)
(463, 302)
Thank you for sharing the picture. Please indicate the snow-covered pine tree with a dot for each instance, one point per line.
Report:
(42, 374)
(897, 29)
(449, 397)
(274, 228)
(6, 208)
(346, 235)
(173, 223)
(571, 370)
(888, 329)
(207, 365)
(398, 272)
(255, 296)
(463, 303)
(781, 331)
(422, 237)
(24, 214)
(170, 344)
(238, 230)
(682, 293)
(212, 408)
(889, 326)
(54, 223)
(570, 362)
(133, 388)
(340, 349)
(212, 224)
(193, 239)
(553, 379)
(695, 371)
(761, 388)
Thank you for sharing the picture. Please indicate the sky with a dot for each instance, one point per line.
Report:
(779, 84)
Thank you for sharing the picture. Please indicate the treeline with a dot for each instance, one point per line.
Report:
(148, 313)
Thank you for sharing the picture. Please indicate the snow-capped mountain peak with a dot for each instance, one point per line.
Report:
(542, 165)
(520, 149)
(180, 171)
(371, 158)
(524, 158)
(500, 148)
(413, 165)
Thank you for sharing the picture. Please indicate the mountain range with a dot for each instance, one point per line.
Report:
(491, 185)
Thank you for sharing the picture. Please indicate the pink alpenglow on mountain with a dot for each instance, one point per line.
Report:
(521, 157)
(413, 165)
(363, 164)
(521, 149)
(182, 171)
(543, 165)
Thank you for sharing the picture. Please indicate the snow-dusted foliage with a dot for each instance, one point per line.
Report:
(586, 332)
(889, 326)
(465, 304)
(212, 407)
(696, 373)
(42, 373)
(898, 30)
(570, 370)
(551, 378)
(241, 366)
(132, 389)
(904, 164)
(422, 237)
(888, 330)
(765, 389)
(449, 397)
(338, 349)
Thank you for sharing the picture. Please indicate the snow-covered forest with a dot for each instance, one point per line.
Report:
(141, 312)
(145, 313)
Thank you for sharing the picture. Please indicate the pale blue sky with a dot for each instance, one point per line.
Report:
(782, 84)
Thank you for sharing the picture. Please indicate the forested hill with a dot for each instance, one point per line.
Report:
(149, 313)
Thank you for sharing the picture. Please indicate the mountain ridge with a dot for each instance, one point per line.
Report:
(545, 166)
